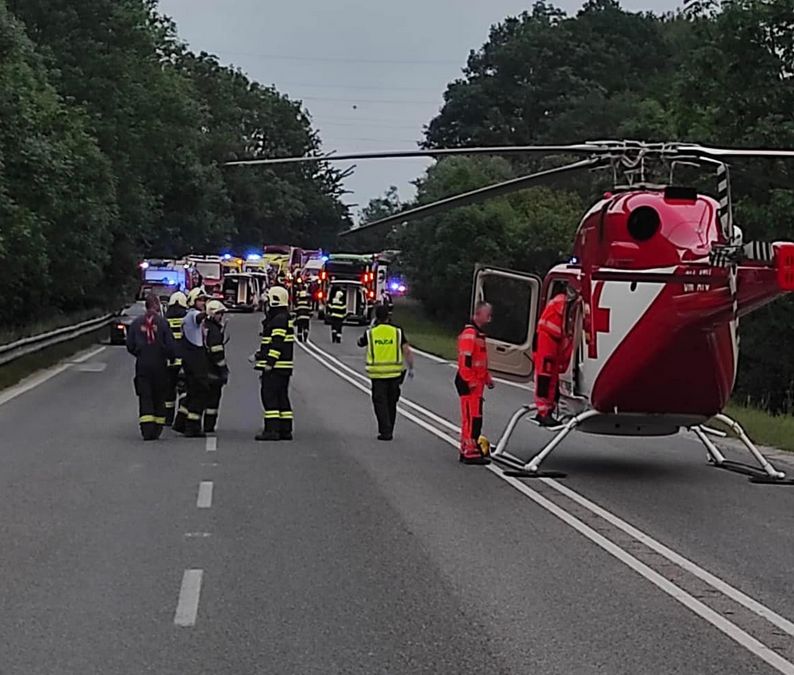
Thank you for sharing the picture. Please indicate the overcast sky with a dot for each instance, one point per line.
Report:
(370, 72)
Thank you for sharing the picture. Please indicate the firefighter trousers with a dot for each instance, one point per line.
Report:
(302, 325)
(151, 388)
(336, 329)
(385, 395)
(214, 394)
(547, 373)
(197, 393)
(470, 417)
(173, 395)
(276, 404)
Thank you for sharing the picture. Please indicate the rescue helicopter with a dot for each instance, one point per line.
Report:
(661, 277)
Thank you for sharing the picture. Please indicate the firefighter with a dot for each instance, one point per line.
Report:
(470, 381)
(388, 352)
(218, 371)
(177, 309)
(552, 353)
(274, 360)
(150, 341)
(303, 314)
(337, 312)
(196, 366)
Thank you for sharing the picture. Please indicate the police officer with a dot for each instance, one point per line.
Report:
(275, 361)
(175, 314)
(150, 341)
(470, 381)
(196, 366)
(303, 314)
(337, 312)
(387, 354)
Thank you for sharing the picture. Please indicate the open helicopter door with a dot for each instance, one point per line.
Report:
(514, 297)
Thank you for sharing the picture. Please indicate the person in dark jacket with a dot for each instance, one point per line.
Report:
(218, 370)
(196, 366)
(175, 315)
(275, 360)
(150, 341)
(303, 314)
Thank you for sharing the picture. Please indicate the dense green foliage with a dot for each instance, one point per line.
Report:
(112, 136)
(716, 73)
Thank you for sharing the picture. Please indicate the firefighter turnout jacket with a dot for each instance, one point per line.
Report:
(337, 310)
(278, 343)
(216, 354)
(303, 306)
(175, 317)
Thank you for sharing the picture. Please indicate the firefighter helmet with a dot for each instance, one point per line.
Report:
(277, 297)
(196, 294)
(178, 298)
(215, 307)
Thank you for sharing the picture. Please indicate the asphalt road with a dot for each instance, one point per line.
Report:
(341, 554)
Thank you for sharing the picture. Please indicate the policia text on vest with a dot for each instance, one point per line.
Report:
(388, 353)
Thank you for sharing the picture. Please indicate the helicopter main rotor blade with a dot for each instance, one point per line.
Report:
(479, 195)
(440, 152)
(733, 152)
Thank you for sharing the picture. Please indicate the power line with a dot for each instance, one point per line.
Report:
(342, 59)
(356, 101)
(353, 86)
(356, 118)
(320, 123)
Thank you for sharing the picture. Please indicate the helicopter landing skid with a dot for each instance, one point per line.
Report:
(765, 474)
(519, 468)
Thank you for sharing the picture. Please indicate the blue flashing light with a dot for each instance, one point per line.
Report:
(394, 286)
(227, 256)
(324, 258)
(573, 261)
(253, 256)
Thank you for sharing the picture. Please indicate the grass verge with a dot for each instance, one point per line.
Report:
(20, 368)
(773, 430)
(53, 321)
(430, 335)
(425, 332)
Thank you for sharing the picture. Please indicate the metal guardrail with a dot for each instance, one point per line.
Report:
(13, 350)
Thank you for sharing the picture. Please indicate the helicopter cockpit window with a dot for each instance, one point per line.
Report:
(511, 300)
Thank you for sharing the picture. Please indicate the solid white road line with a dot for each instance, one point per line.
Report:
(432, 357)
(212, 443)
(676, 592)
(188, 604)
(40, 378)
(204, 500)
(438, 359)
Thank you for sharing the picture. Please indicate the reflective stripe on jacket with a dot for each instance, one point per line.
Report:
(278, 343)
(384, 352)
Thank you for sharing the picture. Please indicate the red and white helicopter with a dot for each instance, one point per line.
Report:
(663, 278)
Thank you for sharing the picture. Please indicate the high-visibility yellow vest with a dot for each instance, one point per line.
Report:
(384, 352)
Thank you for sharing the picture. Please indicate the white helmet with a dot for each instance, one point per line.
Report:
(277, 296)
(178, 298)
(195, 294)
(339, 296)
(215, 307)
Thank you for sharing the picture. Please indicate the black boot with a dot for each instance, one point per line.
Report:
(193, 430)
(478, 461)
(267, 436)
(547, 421)
(180, 422)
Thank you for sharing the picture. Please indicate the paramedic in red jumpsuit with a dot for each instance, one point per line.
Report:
(471, 379)
(552, 354)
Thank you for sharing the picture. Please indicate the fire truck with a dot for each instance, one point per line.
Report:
(356, 275)
(209, 269)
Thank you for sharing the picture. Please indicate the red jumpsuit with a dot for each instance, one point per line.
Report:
(470, 381)
(552, 353)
